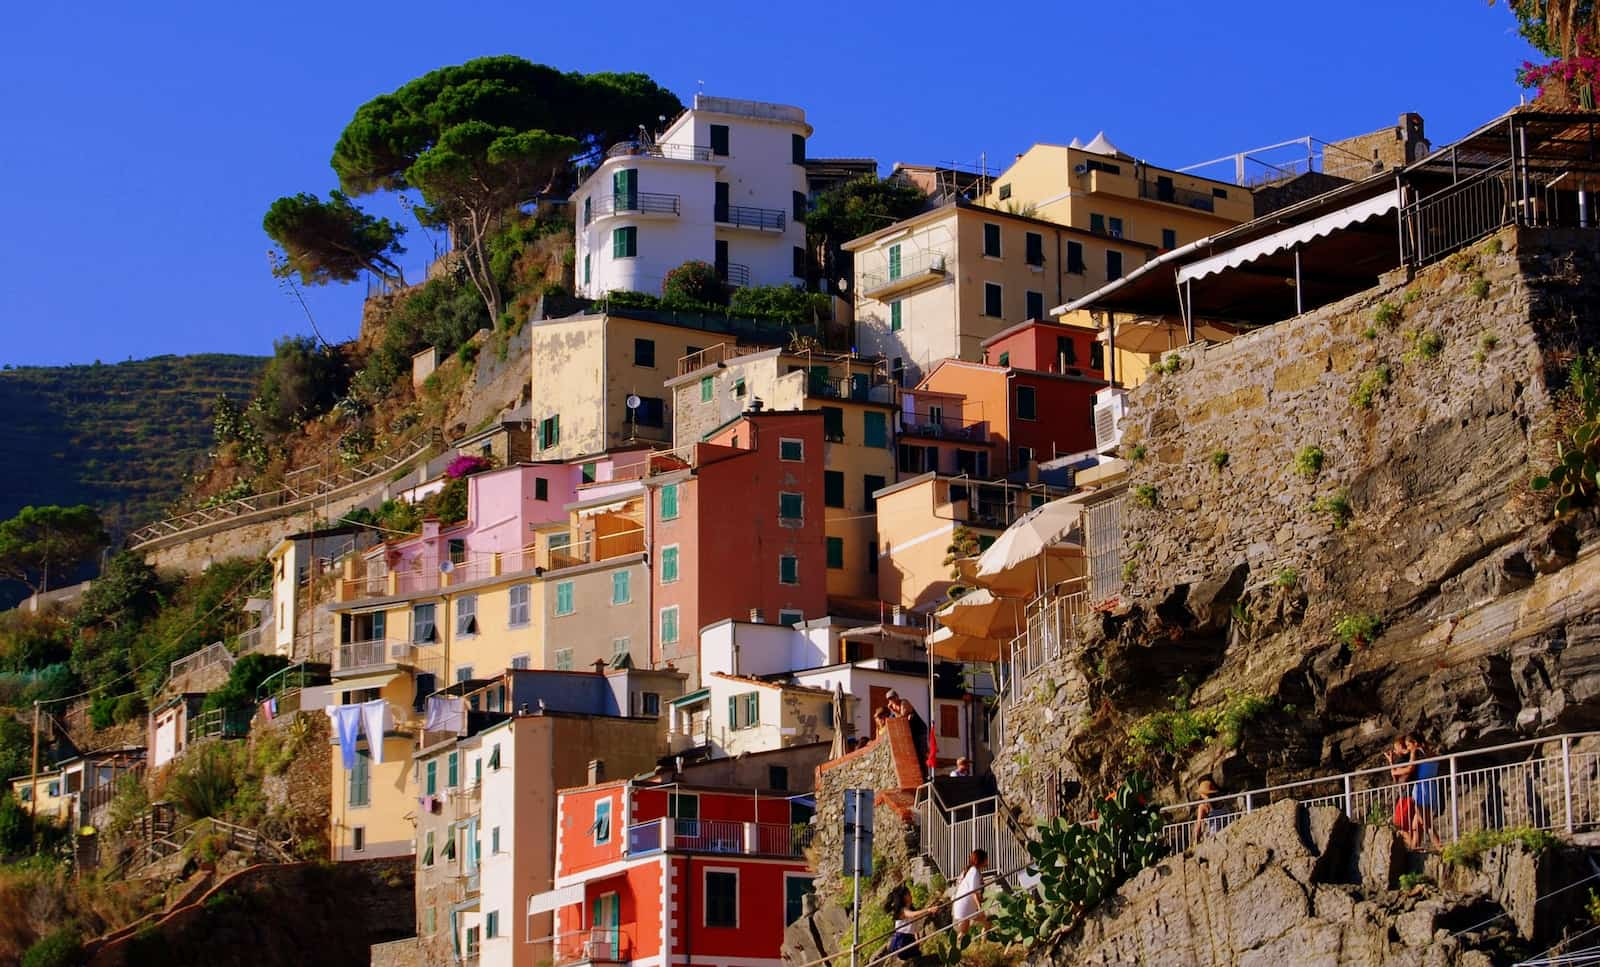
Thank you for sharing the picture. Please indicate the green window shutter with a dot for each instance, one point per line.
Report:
(894, 261)
(1097, 223)
(707, 384)
(669, 564)
(791, 506)
(624, 242)
(793, 451)
(733, 711)
(875, 429)
(360, 780)
(587, 275)
(669, 502)
(669, 625)
(433, 777)
(618, 245)
(625, 186)
(789, 569)
(836, 552)
(564, 597)
(752, 713)
(453, 776)
(896, 319)
(991, 240)
(619, 587)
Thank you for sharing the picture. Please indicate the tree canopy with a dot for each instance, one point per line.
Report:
(333, 240)
(853, 209)
(41, 539)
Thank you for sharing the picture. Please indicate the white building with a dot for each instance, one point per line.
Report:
(725, 184)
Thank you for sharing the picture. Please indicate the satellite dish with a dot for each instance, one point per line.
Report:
(446, 566)
(633, 401)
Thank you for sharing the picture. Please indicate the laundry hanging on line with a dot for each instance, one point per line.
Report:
(350, 722)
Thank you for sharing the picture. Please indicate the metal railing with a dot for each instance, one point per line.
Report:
(913, 266)
(1102, 528)
(1049, 627)
(863, 387)
(679, 152)
(949, 834)
(646, 202)
(713, 836)
(720, 353)
(1435, 226)
(211, 656)
(1172, 194)
(735, 274)
(746, 216)
(219, 723)
(1454, 795)
(378, 651)
(927, 424)
(596, 945)
(291, 678)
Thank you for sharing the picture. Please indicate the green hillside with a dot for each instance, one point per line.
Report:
(121, 437)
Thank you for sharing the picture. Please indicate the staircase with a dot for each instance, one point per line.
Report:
(160, 836)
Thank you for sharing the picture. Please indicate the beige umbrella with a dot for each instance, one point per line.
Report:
(1034, 554)
(954, 646)
(1151, 335)
(982, 614)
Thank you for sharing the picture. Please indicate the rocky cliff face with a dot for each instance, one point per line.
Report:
(1369, 459)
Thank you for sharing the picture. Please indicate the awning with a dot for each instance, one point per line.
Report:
(549, 900)
(1290, 237)
(608, 508)
(378, 680)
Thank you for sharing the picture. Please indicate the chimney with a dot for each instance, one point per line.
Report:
(757, 616)
(599, 666)
(597, 771)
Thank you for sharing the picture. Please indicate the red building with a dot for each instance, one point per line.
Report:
(1047, 347)
(651, 874)
(738, 528)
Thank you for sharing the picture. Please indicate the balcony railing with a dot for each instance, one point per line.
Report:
(720, 353)
(1172, 194)
(361, 654)
(645, 202)
(744, 216)
(596, 945)
(941, 427)
(857, 387)
(678, 152)
(734, 274)
(905, 273)
(219, 723)
(1049, 628)
(714, 836)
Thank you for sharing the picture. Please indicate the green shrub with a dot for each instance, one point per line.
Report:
(1493, 246)
(103, 711)
(1386, 314)
(16, 826)
(1575, 478)
(1424, 346)
(1488, 341)
(1219, 459)
(1369, 333)
(787, 305)
(1168, 366)
(1286, 577)
(1412, 295)
(1308, 462)
(1480, 288)
(1410, 881)
(61, 948)
(1372, 381)
(129, 707)
(1467, 850)
(1137, 453)
(205, 783)
(694, 284)
(1146, 496)
(238, 693)
(1176, 731)
(1357, 630)
(1336, 507)
(1130, 569)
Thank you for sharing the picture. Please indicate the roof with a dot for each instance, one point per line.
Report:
(961, 205)
(786, 686)
(1031, 324)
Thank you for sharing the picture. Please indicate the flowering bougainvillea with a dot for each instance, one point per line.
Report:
(466, 465)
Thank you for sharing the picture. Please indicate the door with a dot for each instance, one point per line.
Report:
(795, 889)
(685, 812)
(625, 186)
(721, 208)
(605, 940)
(1164, 190)
(721, 261)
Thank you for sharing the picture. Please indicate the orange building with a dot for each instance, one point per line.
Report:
(1048, 347)
(738, 529)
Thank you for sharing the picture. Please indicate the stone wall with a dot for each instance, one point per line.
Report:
(888, 765)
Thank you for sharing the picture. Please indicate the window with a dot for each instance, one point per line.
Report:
(464, 674)
(602, 822)
(894, 262)
(1097, 223)
(521, 662)
(652, 411)
(833, 488)
(494, 841)
(1035, 249)
(549, 433)
(1024, 456)
(474, 943)
(788, 569)
(457, 550)
(744, 710)
(1004, 192)
(360, 791)
(793, 451)
(494, 763)
(358, 839)
(619, 647)
(875, 429)
(518, 612)
(467, 614)
(1005, 359)
(797, 148)
(422, 629)
(992, 301)
(1219, 193)
(427, 859)
(684, 808)
(1075, 263)
(991, 240)
(430, 784)
(1114, 227)
(669, 625)
(669, 564)
(644, 353)
(708, 385)
(588, 216)
(1107, 167)
(563, 659)
(1113, 265)
(836, 553)
(669, 502)
(719, 139)
(833, 424)
(778, 777)
(1169, 238)
(798, 267)
(872, 484)
(621, 593)
(1097, 355)
(791, 506)
(787, 617)
(625, 189)
(649, 703)
(1066, 351)
(795, 890)
(452, 770)
(564, 598)
(1027, 403)
(949, 721)
(722, 898)
(624, 242)
(1035, 305)
(896, 316)
(491, 921)
(738, 387)
(799, 206)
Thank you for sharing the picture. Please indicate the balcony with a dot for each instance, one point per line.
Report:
(676, 152)
(636, 203)
(936, 426)
(597, 945)
(734, 275)
(905, 274)
(856, 387)
(1173, 195)
(744, 216)
(713, 836)
(374, 653)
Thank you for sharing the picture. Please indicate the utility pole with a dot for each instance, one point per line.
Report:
(33, 776)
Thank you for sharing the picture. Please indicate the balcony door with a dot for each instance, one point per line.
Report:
(605, 941)
(722, 259)
(721, 207)
(625, 186)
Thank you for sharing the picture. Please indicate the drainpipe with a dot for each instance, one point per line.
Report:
(1060, 293)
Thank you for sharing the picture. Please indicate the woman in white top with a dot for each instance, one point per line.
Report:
(969, 893)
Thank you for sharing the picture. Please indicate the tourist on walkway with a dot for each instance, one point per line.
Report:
(968, 906)
(1205, 824)
(1415, 797)
(963, 769)
(903, 942)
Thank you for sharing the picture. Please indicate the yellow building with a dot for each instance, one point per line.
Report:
(1101, 190)
(53, 802)
(586, 367)
(935, 285)
(858, 403)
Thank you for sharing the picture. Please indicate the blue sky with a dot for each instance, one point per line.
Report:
(140, 147)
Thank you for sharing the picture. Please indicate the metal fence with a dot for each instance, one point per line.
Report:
(1049, 627)
(1102, 528)
(649, 202)
(1541, 784)
(1452, 217)
(358, 654)
(927, 262)
(210, 656)
(949, 834)
(596, 945)
(747, 216)
(714, 836)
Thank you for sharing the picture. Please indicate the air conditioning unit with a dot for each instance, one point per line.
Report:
(1110, 405)
(400, 651)
(936, 263)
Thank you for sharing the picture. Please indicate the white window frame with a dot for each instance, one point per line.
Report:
(797, 442)
(358, 839)
(677, 564)
(433, 623)
(621, 646)
(564, 664)
(789, 557)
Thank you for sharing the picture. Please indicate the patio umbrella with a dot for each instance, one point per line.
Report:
(1152, 335)
(953, 646)
(1033, 554)
(982, 614)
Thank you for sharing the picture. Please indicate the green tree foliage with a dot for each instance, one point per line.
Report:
(694, 283)
(42, 540)
(479, 139)
(786, 304)
(30, 641)
(302, 381)
(16, 825)
(333, 240)
(16, 747)
(443, 313)
(127, 592)
(63, 948)
(205, 783)
(239, 691)
(1079, 865)
(1575, 477)
(854, 209)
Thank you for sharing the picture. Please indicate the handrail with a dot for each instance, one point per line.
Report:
(913, 266)
(649, 202)
(748, 216)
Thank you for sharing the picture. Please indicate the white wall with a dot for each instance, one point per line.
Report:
(283, 599)
(928, 316)
(752, 650)
(497, 882)
(664, 241)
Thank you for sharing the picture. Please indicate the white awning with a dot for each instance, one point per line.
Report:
(1290, 237)
(609, 508)
(378, 680)
(555, 899)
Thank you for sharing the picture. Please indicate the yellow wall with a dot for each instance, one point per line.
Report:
(912, 542)
(54, 807)
(392, 802)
